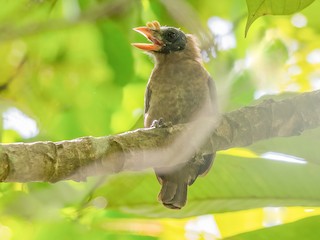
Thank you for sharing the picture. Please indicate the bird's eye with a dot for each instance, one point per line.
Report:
(171, 36)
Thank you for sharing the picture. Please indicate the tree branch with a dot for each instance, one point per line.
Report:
(146, 148)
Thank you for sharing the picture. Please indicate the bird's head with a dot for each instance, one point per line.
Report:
(163, 39)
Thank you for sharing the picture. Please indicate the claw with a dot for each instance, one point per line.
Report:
(160, 123)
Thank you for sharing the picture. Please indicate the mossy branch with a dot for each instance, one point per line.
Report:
(145, 148)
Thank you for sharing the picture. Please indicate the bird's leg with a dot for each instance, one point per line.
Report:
(198, 157)
(192, 167)
(160, 123)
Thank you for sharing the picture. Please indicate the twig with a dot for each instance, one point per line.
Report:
(5, 85)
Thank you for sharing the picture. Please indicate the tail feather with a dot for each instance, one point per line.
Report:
(175, 182)
(173, 194)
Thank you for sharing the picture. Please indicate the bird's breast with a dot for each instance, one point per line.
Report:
(178, 93)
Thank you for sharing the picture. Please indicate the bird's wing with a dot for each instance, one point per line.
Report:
(208, 159)
(147, 97)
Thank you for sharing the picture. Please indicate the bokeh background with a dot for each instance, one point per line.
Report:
(68, 70)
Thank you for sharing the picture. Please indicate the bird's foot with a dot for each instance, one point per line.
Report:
(160, 123)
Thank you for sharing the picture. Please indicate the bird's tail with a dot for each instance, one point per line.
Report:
(175, 182)
(173, 194)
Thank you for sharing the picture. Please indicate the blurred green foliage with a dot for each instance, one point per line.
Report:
(69, 67)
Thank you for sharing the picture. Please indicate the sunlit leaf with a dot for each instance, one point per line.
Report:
(256, 219)
(258, 8)
(303, 229)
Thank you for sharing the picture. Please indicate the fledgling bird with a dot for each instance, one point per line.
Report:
(179, 90)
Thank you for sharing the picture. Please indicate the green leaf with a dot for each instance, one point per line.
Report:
(234, 183)
(67, 230)
(118, 51)
(241, 91)
(258, 8)
(292, 146)
(304, 229)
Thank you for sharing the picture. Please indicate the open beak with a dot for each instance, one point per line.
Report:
(152, 35)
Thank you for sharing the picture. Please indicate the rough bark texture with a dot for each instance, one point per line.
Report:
(144, 148)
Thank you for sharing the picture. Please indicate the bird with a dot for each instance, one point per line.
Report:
(179, 90)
